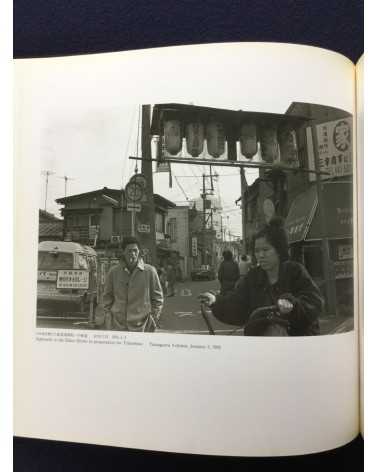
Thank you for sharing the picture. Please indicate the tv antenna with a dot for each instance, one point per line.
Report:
(65, 182)
(47, 173)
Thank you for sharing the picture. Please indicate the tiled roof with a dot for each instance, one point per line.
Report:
(51, 229)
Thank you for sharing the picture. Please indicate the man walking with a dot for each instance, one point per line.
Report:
(133, 297)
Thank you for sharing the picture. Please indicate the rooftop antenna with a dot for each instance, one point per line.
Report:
(65, 182)
(47, 173)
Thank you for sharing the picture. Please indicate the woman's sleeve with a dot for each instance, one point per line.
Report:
(306, 298)
(233, 308)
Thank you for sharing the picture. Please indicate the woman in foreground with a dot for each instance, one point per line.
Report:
(275, 281)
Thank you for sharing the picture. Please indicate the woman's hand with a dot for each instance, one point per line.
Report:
(284, 306)
(207, 298)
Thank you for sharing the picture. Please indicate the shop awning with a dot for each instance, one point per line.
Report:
(303, 221)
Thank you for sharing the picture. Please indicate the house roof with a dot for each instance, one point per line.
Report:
(115, 194)
(51, 229)
(45, 215)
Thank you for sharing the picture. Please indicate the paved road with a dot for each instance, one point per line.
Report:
(181, 313)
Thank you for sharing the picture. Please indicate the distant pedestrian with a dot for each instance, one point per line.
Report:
(244, 265)
(171, 279)
(228, 273)
(162, 273)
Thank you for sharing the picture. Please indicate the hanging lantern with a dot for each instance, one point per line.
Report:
(215, 137)
(172, 136)
(269, 143)
(195, 136)
(248, 140)
(287, 140)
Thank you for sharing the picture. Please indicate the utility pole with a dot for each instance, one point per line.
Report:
(47, 173)
(149, 239)
(203, 218)
(65, 182)
(244, 188)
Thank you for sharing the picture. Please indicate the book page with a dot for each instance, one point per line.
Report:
(77, 122)
(360, 213)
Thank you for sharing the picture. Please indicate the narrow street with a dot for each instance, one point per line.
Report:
(182, 312)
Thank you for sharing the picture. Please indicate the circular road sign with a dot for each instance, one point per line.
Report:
(139, 179)
(134, 191)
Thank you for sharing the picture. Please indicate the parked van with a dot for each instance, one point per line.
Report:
(67, 278)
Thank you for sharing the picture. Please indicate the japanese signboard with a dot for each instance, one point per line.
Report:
(345, 251)
(143, 228)
(134, 207)
(46, 275)
(194, 247)
(344, 269)
(78, 279)
(335, 148)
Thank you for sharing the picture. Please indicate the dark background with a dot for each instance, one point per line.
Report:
(66, 27)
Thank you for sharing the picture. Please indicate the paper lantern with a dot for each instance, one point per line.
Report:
(215, 137)
(195, 136)
(288, 146)
(248, 140)
(269, 143)
(172, 136)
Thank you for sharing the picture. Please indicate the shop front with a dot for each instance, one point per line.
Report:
(305, 232)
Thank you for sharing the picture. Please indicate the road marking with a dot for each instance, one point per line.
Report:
(181, 314)
(185, 292)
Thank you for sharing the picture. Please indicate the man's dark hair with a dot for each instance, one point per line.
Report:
(130, 240)
(275, 234)
(227, 255)
(243, 257)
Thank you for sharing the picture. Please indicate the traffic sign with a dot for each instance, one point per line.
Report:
(134, 207)
(140, 179)
(134, 191)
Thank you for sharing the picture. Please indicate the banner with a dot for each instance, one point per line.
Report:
(335, 148)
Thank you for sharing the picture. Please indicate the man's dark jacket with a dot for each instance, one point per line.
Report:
(254, 291)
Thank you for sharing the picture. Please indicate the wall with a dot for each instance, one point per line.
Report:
(182, 240)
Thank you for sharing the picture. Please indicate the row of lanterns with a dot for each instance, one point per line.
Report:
(272, 142)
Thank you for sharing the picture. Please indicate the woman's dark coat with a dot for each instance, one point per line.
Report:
(254, 291)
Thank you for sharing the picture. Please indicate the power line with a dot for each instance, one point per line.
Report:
(182, 190)
(126, 156)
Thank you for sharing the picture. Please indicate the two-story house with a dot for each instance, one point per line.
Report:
(101, 218)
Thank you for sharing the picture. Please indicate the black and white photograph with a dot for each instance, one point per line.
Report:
(190, 219)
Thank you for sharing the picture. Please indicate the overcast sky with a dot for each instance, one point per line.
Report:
(92, 149)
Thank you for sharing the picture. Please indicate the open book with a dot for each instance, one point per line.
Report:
(194, 151)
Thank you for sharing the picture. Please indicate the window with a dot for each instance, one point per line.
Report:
(94, 220)
(55, 260)
(82, 262)
(172, 229)
(159, 223)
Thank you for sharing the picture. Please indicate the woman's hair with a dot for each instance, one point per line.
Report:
(275, 234)
(227, 255)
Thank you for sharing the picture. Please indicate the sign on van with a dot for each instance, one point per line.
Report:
(78, 279)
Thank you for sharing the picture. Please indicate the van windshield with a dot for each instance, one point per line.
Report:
(51, 260)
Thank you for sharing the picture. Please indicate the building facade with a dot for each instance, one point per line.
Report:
(294, 195)
(102, 219)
